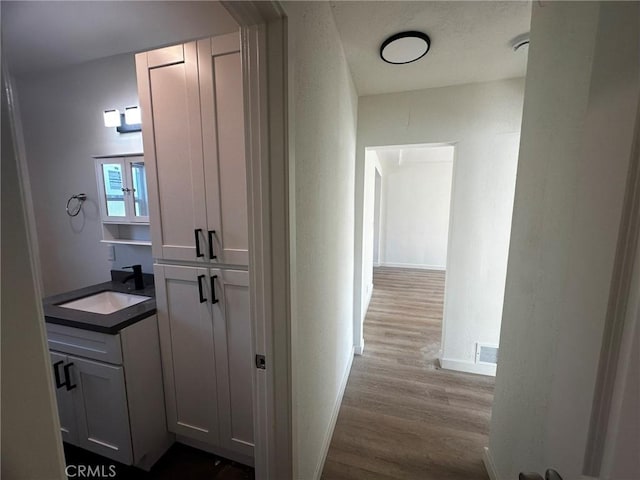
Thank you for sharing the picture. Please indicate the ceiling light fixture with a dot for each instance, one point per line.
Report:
(520, 41)
(405, 47)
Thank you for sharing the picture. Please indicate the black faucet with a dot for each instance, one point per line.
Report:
(136, 275)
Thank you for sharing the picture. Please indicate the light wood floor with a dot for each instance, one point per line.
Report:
(401, 417)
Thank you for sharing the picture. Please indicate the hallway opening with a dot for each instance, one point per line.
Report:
(406, 209)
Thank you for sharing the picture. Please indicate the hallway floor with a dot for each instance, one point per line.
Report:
(402, 417)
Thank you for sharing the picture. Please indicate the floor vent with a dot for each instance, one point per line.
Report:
(486, 354)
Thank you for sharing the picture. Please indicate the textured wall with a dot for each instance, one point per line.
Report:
(63, 128)
(417, 197)
(579, 114)
(483, 120)
(324, 108)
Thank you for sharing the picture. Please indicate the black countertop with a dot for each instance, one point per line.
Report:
(111, 323)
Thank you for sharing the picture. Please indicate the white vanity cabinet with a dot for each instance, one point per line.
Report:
(65, 397)
(109, 391)
(205, 330)
(191, 97)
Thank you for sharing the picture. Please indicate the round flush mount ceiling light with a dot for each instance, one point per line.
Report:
(520, 41)
(405, 47)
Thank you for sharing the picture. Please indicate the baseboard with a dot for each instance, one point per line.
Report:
(413, 265)
(221, 452)
(468, 367)
(334, 418)
(358, 349)
(487, 459)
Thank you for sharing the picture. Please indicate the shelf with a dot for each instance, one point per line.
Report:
(126, 234)
(128, 242)
(120, 155)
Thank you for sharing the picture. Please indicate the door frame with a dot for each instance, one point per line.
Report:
(263, 30)
(614, 355)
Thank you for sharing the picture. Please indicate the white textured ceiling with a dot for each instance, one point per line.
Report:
(470, 42)
(39, 35)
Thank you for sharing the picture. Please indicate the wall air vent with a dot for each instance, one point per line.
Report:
(486, 354)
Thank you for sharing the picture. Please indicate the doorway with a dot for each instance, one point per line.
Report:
(407, 209)
(254, 28)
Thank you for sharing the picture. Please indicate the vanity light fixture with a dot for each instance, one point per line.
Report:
(405, 47)
(132, 116)
(126, 122)
(112, 118)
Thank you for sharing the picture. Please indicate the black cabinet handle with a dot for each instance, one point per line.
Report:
(197, 233)
(202, 297)
(56, 373)
(211, 254)
(213, 289)
(67, 376)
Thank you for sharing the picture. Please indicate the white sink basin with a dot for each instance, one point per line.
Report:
(105, 302)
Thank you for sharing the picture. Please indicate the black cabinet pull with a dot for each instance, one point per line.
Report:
(211, 254)
(67, 376)
(197, 233)
(213, 289)
(56, 373)
(202, 297)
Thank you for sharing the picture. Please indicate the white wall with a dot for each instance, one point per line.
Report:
(31, 442)
(62, 118)
(323, 123)
(578, 123)
(377, 217)
(417, 197)
(372, 166)
(483, 121)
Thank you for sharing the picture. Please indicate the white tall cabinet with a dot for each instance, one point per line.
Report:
(193, 134)
(191, 97)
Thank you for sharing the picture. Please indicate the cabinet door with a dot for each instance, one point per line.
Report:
(64, 397)
(137, 195)
(183, 299)
(101, 408)
(234, 359)
(221, 94)
(172, 138)
(112, 186)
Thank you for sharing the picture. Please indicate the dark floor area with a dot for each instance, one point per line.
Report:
(179, 463)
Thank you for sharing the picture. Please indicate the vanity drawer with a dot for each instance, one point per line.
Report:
(85, 343)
